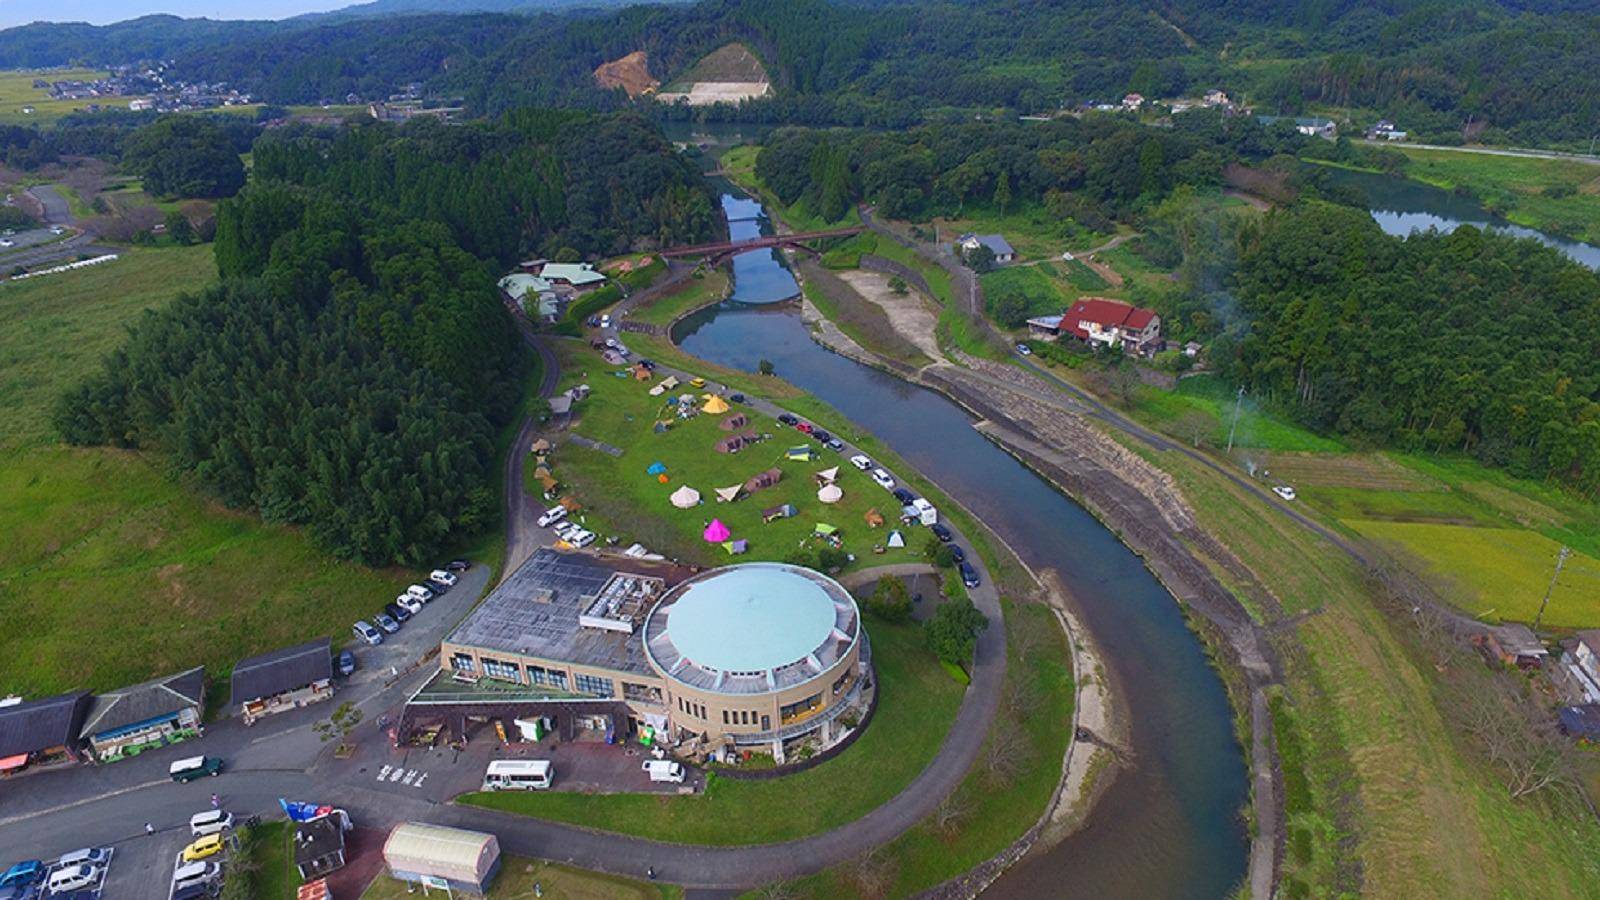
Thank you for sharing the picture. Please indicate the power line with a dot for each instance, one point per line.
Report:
(1561, 560)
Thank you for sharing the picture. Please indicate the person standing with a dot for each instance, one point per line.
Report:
(216, 802)
(149, 829)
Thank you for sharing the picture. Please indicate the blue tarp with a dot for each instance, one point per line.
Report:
(656, 468)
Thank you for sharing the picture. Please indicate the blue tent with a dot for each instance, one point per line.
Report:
(656, 468)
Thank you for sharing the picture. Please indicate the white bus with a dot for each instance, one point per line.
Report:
(518, 775)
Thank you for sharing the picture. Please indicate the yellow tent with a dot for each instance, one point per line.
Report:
(715, 405)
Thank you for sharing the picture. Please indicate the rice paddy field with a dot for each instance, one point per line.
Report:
(17, 91)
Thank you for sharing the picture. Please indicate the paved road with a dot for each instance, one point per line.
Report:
(522, 509)
(1493, 151)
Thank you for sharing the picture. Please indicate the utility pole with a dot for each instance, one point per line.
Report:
(1561, 560)
(1238, 402)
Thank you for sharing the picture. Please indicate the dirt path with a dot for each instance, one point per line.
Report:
(908, 313)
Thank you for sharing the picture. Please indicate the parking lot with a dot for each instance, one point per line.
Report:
(58, 878)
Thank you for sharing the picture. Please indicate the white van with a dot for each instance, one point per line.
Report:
(663, 770)
(519, 775)
(194, 873)
(211, 821)
(926, 512)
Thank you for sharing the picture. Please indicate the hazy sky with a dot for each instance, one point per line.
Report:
(100, 12)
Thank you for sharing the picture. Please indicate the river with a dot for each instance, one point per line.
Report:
(1401, 206)
(1169, 826)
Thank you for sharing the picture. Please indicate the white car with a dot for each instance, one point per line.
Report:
(605, 321)
(73, 878)
(409, 603)
(861, 462)
(448, 579)
(212, 821)
(552, 515)
(367, 633)
(91, 856)
(1024, 349)
(7, 242)
(420, 592)
(1284, 491)
(581, 538)
(57, 229)
(883, 479)
(566, 529)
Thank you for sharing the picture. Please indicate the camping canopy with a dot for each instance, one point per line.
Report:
(823, 528)
(830, 493)
(729, 494)
(715, 405)
(896, 539)
(717, 532)
(735, 548)
(685, 497)
(800, 453)
(656, 468)
(828, 476)
(779, 512)
(540, 446)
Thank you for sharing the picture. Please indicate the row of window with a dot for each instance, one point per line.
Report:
(800, 708)
(539, 676)
(745, 717)
(693, 709)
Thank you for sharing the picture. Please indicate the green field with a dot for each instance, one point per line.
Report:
(1040, 284)
(17, 91)
(1556, 195)
(519, 876)
(997, 808)
(115, 572)
(1257, 429)
(699, 289)
(621, 498)
(917, 702)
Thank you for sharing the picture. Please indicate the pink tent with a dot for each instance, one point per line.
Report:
(717, 532)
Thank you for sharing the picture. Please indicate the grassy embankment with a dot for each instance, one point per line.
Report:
(917, 704)
(518, 877)
(182, 580)
(701, 288)
(993, 807)
(740, 165)
(1560, 196)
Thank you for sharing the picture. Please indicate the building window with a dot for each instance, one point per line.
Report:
(494, 668)
(840, 683)
(594, 685)
(641, 693)
(725, 718)
(800, 709)
(744, 717)
(463, 662)
(766, 723)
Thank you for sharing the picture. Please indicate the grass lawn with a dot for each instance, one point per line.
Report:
(621, 498)
(740, 165)
(1497, 573)
(996, 811)
(1041, 285)
(1258, 429)
(1030, 229)
(697, 290)
(182, 581)
(518, 876)
(265, 862)
(917, 703)
(1558, 195)
(1398, 807)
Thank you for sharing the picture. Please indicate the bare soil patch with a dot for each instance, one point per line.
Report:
(908, 313)
(631, 73)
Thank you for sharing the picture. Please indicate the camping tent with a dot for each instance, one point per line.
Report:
(685, 497)
(735, 548)
(715, 405)
(656, 468)
(830, 493)
(735, 442)
(779, 512)
(763, 480)
(729, 494)
(824, 529)
(801, 453)
(641, 373)
(733, 422)
(874, 518)
(717, 532)
(896, 539)
(828, 476)
(540, 446)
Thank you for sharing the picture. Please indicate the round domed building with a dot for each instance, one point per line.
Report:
(759, 652)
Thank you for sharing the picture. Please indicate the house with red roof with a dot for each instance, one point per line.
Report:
(1096, 320)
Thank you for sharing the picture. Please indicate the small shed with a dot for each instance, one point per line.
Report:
(734, 422)
(283, 679)
(763, 480)
(319, 845)
(462, 860)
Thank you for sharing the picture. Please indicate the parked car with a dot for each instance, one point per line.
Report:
(552, 515)
(442, 577)
(212, 821)
(57, 229)
(27, 872)
(613, 343)
(903, 495)
(605, 321)
(663, 770)
(592, 321)
(347, 661)
(956, 553)
(390, 626)
(821, 435)
(458, 565)
(1024, 349)
(7, 242)
(198, 890)
(941, 532)
(787, 419)
(738, 398)
(186, 770)
(1284, 491)
(581, 538)
(366, 632)
(804, 427)
(420, 592)
(397, 612)
(73, 878)
(883, 479)
(93, 856)
(649, 364)
(697, 381)
(566, 529)
(195, 874)
(969, 575)
(861, 462)
(210, 845)
(408, 603)
(834, 444)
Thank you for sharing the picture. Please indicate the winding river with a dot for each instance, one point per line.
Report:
(1169, 826)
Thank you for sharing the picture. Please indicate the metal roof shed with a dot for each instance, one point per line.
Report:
(468, 860)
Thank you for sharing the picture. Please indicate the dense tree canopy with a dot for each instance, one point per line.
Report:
(184, 156)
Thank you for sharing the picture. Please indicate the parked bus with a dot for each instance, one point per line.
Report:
(518, 775)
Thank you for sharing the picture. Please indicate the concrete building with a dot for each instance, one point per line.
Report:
(754, 654)
(283, 679)
(146, 716)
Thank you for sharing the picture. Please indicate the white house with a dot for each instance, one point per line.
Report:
(1003, 252)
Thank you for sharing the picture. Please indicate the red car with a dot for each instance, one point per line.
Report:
(803, 427)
